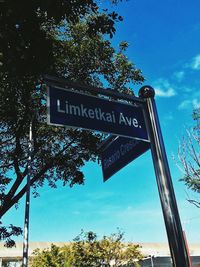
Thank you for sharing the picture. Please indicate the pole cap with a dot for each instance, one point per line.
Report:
(146, 91)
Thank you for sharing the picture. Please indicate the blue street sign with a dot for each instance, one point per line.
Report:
(119, 153)
(74, 109)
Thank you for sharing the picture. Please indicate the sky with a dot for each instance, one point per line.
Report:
(164, 38)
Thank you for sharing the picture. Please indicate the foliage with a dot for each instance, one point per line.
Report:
(48, 257)
(88, 251)
(67, 39)
(189, 157)
(26, 46)
(7, 233)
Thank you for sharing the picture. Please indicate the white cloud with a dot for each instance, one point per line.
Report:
(179, 75)
(196, 103)
(186, 89)
(185, 104)
(167, 118)
(133, 212)
(164, 89)
(189, 104)
(196, 63)
(162, 93)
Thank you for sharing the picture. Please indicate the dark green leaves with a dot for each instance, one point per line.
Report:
(67, 39)
(7, 232)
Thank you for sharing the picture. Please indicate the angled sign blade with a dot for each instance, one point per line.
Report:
(119, 153)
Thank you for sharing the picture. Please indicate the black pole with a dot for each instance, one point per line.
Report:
(173, 226)
(27, 203)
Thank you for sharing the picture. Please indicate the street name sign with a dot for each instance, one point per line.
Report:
(119, 153)
(78, 110)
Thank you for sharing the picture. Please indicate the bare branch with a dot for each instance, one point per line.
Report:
(194, 202)
(8, 204)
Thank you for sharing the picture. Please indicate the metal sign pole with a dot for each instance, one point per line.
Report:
(27, 204)
(174, 230)
(152, 264)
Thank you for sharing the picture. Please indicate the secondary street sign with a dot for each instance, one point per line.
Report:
(74, 109)
(119, 153)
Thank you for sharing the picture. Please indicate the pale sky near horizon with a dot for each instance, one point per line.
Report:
(164, 39)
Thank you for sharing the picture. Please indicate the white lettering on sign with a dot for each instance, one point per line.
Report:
(96, 113)
(125, 148)
(128, 120)
(112, 159)
(58, 107)
(122, 151)
(82, 111)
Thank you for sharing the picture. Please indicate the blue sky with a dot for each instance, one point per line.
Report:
(164, 38)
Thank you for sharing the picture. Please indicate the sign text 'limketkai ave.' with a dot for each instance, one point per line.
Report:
(86, 111)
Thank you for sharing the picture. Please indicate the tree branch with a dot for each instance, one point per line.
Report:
(6, 165)
(16, 198)
(10, 202)
(19, 174)
(194, 202)
(6, 141)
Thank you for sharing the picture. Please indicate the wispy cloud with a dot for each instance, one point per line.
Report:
(185, 104)
(195, 65)
(179, 75)
(196, 103)
(100, 195)
(132, 212)
(189, 104)
(167, 119)
(190, 98)
(163, 88)
(162, 93)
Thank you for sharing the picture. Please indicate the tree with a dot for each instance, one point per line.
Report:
(88, 251)
(189, 157)
(73, 42)
(53, 257)
(25, 28)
